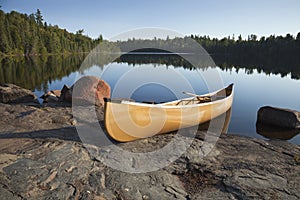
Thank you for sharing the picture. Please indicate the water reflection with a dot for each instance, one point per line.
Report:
(271, 132)
(283, 67)
(210, 124)
(148, 82)
(38, 72)
(274, 65)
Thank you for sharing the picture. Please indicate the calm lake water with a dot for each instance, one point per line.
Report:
(161, 82)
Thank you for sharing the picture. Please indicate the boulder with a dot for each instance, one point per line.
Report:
(279, 117)
(57, 93)
(90, 89)
(10, 93)
(51, 96)
(66, 94)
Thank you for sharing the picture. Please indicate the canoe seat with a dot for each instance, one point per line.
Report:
(196, 100)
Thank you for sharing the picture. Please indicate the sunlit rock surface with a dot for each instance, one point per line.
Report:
(42, 157)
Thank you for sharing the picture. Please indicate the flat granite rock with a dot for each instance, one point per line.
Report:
(60, 169)
(10, 93)
(53, 163)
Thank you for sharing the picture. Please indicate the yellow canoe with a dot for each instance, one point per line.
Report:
(127, 121)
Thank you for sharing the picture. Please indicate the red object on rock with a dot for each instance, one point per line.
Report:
(90, 89)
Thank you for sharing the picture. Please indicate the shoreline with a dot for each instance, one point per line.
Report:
(2, 56)
(40, 144)
(43, 156)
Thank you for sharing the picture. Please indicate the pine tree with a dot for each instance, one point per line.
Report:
(39, 17)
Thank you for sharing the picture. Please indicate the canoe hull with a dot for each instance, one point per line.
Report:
(128, 121)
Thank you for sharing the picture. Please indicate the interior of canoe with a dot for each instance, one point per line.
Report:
(197, 99)
(189, 101)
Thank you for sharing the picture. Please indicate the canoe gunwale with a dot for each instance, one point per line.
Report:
(165, 105)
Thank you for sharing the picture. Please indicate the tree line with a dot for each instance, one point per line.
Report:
(273, 54)
(253, 51)
(22, 34)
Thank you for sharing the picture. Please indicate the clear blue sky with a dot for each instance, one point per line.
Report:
(216, 18)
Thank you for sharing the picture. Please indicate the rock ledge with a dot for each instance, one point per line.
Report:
(42, 157)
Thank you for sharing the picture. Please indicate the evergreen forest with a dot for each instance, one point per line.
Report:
(22, 34)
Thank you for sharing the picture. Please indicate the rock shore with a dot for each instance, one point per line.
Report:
(42, 157)
(10, 93)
